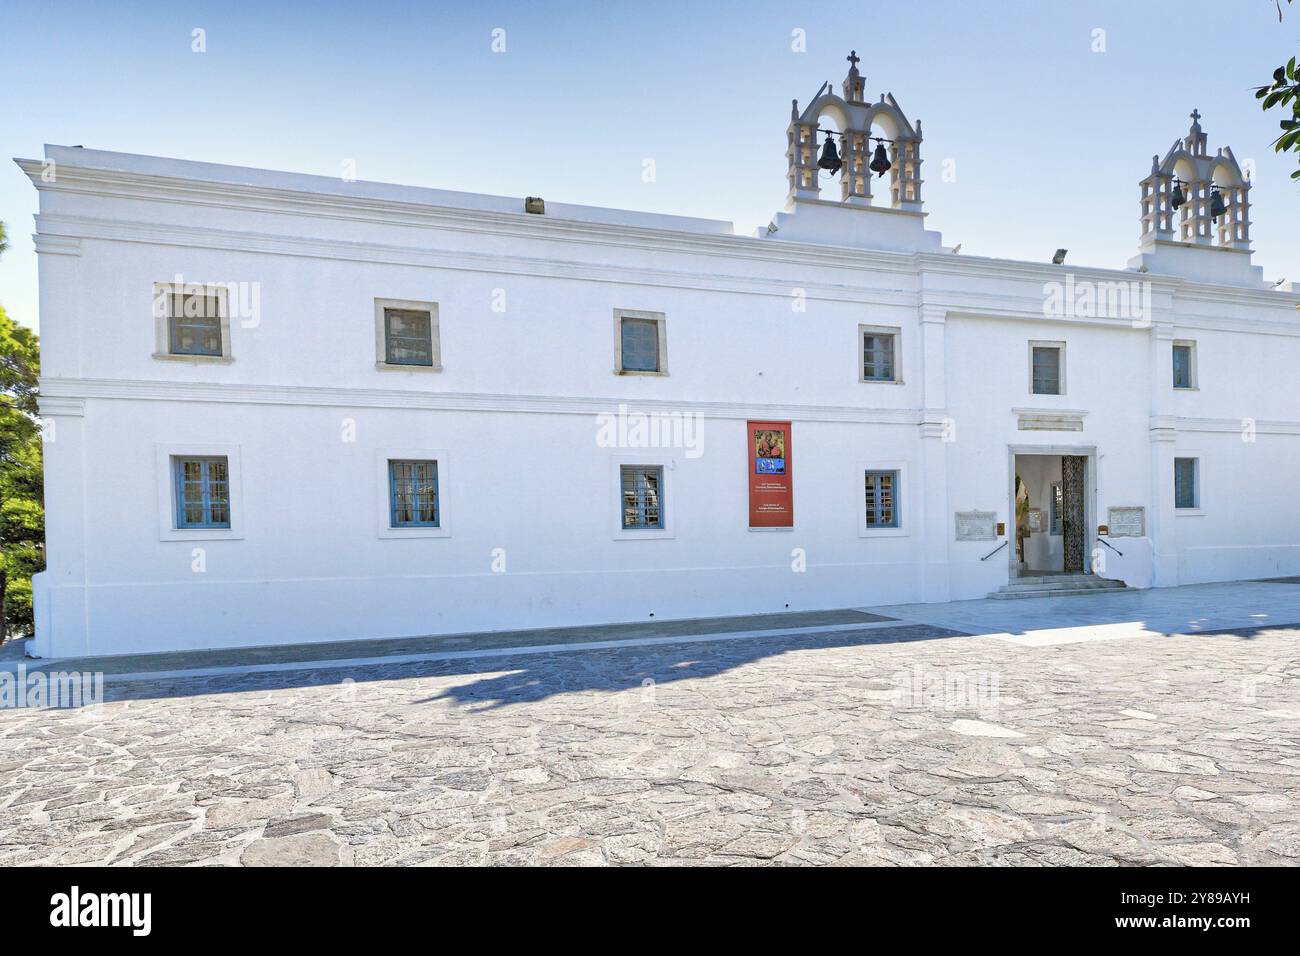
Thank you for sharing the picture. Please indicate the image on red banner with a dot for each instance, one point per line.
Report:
(769, 452)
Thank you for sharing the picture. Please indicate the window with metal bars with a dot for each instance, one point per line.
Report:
(1056, 507)
(642, 496)
(202, 492)
(413, 494)
(640, 345)
(877, 357)
(1047, 370)
(882, 499)
(194, 324)
(408, 337)
(1186, 492)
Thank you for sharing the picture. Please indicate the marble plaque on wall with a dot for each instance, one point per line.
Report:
(1128, 522)
(976, 525)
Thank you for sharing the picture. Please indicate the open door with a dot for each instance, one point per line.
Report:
(1074, 474)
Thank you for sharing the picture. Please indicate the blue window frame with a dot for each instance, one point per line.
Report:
(202, 492)
(642, 496)
(1186, 494)
(194, 325)
(881, 499)
(408, 337)
(1182, 366)
(1055, 505)
(640, 345)
(877, 357)
(413, 494)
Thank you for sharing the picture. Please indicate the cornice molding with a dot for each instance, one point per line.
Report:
(52, 245)
(159, 188)
(336, 397)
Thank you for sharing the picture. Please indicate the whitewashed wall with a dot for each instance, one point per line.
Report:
(515, 407)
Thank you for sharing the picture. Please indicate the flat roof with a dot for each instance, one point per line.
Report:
(80, 157)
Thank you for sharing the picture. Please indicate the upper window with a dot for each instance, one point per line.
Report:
(642, 490)
(202, 491)
(1187, 491)
(413, 494)
(881, 499)
(1047, 368)
(406, 334)
(879, 354)
(191, 322)
(1184, 365)
(641, 349)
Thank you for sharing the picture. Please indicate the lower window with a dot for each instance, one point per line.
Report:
(642, 489)
(1186, 492)
(881, 499)
(413, 494)
(202, 491)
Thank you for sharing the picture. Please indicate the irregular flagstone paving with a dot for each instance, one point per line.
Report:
(893, 746)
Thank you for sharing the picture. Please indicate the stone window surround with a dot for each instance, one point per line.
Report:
(163, 291)
(381, 344)
(897, 332)
(1060, 364)
(1194, 376)
(662, 334)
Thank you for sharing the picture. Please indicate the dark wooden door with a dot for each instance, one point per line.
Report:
(1074, 474)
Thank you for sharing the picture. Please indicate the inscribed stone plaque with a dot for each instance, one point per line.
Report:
(1035, 520)
(1128, 522)
(976, 525)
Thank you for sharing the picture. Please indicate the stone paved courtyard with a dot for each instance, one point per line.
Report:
(885, 745)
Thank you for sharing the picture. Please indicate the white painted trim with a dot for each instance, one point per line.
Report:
(667, 498)
(332, 396)
(1194, 361)
(384, 527)
(903, 494)
(167, 530)
(897, 332)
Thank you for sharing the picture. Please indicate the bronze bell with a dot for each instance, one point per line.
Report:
(1217, 208)
(830, 160)
(1178, 198)
(880, 162)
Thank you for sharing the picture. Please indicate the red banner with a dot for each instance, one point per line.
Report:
(771, 483)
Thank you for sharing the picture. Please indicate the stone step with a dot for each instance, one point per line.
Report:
(1062, 585)
(1057, 585)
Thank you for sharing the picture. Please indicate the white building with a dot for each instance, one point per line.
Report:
(289, 408)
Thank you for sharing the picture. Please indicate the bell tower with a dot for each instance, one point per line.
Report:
(871, 139)
(1196, 214)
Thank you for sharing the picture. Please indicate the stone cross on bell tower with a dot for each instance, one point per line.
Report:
(853, 83)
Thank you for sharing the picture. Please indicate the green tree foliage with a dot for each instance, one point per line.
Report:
(1284, 92)
(22, 511)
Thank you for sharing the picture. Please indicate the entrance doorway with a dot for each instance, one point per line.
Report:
(1051, 510)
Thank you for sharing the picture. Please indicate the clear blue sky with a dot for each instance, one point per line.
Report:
(1048, 137)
